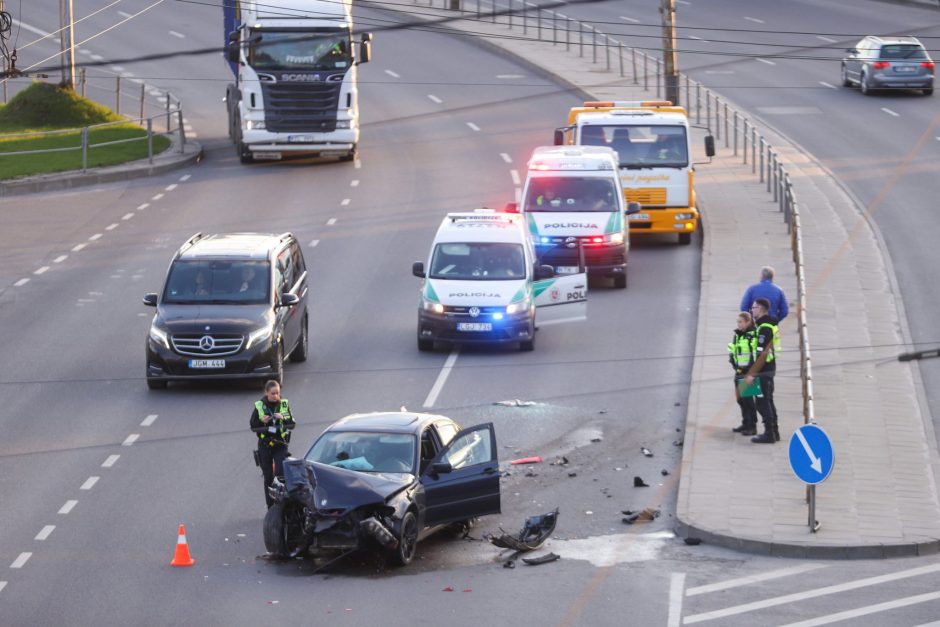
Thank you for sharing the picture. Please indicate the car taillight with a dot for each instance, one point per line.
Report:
(927, 64)
(880, 65)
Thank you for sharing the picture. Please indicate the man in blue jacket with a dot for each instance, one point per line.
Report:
(769, 290)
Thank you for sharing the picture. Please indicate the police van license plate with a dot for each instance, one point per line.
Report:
(566, 269)
(640, 216)
(474, 326)
(206, 363)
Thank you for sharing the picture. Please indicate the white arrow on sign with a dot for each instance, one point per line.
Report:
(815, 462)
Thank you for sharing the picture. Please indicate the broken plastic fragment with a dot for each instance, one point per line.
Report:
(664, 472)
(515, 403)
(639, 483)
(448, 589)
(597, 439)
(542, 559)
(646, 451)
(693, 541)
(535, 459)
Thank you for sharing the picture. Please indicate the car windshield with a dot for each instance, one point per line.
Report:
(218, 282)
(915, 53)
(478, 262)
(273, 50)
(365, 451)
(640, 146)
(571, 194)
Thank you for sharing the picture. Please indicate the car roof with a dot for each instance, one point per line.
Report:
(481, 227)
(387, 422)
(895, 40)
(231, 245)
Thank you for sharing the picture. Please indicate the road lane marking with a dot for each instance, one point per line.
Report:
(331, 222)
(146, 422)
(171, 187)
(509, 76)
(112, 459)
(344, 202)
(354, 183)
(676, 584)
(442, 378)
(124, 14)
(3, 585)
(97, 57)
(515, 177)
(753, 19)
(719, 71)
(157, 197)
(45, 532)
(94, 237)
(60, 259)
(69, 506)
(127, 216)
(825, 84)
(810, 594)
(518, 195)
(78, 247)
(21, 283)
(130, 439)
(111, 226)
(434, 99)
(828, 39)
(473, 127)
(505, 157)
(744, 581)
(767, 61)
(868, 609)
(314, 242)
(143, 206)
(629, 19)
(357, 164)
(89, 483)
(179, 35)
(41, 270)
(117, 68)
(185, 178)
(21, 560)
(697, 38)
(890, 112)
(393, 74)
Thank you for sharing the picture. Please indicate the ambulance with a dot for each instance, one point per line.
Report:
(573, 205)
(482, 283)
(653, 145)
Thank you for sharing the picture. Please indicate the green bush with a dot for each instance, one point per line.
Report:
(45, 106)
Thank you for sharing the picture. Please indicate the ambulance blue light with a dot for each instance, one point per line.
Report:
(497, 316)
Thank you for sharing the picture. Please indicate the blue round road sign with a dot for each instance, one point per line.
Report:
(811, 456)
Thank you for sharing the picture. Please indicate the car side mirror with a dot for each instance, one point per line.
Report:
(851, 50)
(559, 137)
(289, 300)
(150, 299)
(441, 468)
(417, 269)
(365, 49)
(232, 50)
(709, 146)
(544, 272)
(511, 207)
(632, 207)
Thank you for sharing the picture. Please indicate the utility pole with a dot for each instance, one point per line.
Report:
(67, 42)
(670, 57)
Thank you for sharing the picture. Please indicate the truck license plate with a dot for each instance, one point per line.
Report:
(206, 363)
(300, 139)
(474, 326)
(640, 216)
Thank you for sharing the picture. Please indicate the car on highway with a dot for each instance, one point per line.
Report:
(383, 480)
(233, 306)
(888, 62)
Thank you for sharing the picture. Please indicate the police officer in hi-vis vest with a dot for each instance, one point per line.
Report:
(272, 423)
(742, 356)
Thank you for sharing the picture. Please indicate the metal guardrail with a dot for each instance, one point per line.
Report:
(729, 124)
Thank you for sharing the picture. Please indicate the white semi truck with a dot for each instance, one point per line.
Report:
(295, 65)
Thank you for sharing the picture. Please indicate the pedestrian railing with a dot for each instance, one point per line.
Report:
(736, 130)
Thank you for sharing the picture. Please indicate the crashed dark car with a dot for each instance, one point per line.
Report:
(383, 481)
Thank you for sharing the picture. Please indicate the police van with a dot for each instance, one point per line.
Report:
(573, 204)
(482, 283)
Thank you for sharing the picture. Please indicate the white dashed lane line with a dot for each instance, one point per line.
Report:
(157, 196)
(60, 259)
(515, 177)
(117, 68)
(331, 222)
(179, 35)
(314, 242)
(21, 283)
(146, 422)
(129, 440)
(21, 560)
(127, 216)
(89, 483)
(826, 39)
(97, 57)
(68, 507)
(393, 74)
(505, 157)
(45, 532)
(111, 226)
(41, 270)
(185, 178)
(354, 183)
(94, 237)
(78, 247)
(171, 187)
(825, 84)
(767, 61)
(473, 127)
(632, 20)
(344, 202)
(890, 112)
(124, 14)
(143, 206)
(434, 99)
(112, 459)
(753, 19)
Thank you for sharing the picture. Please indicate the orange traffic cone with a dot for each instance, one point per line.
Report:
(182, 557)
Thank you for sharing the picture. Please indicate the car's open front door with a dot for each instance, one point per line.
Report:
(561, 299)
(463, 481)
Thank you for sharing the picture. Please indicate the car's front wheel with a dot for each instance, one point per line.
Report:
(407, 541)
(299, 354)
(274, 539)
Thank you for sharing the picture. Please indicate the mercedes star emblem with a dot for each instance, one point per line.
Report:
(206, 343)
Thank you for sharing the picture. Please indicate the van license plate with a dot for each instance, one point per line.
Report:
(206, 363)
(474, 326)
(566, 269)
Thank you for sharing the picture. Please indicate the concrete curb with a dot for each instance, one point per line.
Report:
(170, 159)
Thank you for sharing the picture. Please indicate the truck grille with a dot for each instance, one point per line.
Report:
(646, 195)
(206, 345)
(300, 107)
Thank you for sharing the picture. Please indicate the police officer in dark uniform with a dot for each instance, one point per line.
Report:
(272, 423)
(766, 347)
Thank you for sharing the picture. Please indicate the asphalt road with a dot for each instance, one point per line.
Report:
(74, 397)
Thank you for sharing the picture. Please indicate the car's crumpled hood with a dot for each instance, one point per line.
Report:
(338, 488)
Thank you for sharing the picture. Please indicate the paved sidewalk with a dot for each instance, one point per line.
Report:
(170, 159)
(881, 498)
